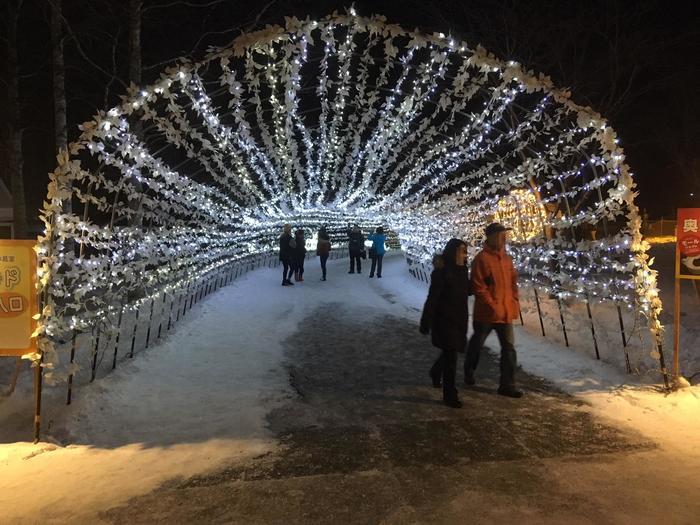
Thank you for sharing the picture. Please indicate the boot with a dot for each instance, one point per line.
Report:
(453, 403)
(469, 377)
(509, 391)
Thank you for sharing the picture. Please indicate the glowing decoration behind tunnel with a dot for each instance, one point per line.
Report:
(343, 120)
(521, 211)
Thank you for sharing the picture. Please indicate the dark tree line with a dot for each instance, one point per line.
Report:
(634, 62)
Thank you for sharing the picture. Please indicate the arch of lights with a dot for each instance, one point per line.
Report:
(342, 120)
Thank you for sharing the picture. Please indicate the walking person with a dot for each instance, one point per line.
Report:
(356, 246)
(495, 285)
(446, 316)
(323, 249)
(287, 246)
(299, 255)
(377, 251)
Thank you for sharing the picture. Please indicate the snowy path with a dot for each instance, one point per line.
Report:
(328, 371)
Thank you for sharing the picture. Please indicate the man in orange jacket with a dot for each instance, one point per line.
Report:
(494, 283)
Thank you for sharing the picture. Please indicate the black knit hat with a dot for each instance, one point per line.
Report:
(495, 227)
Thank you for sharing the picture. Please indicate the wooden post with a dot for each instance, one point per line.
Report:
(70, 377)
(539, 310)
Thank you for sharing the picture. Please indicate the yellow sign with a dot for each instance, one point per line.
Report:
(18, 301)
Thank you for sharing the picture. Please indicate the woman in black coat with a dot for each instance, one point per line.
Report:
(299, 255)
(446, 315)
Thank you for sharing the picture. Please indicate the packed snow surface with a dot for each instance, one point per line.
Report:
(197, 400)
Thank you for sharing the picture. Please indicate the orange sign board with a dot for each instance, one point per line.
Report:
(18, 300)
(688, 243)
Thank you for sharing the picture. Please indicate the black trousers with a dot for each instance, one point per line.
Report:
(300, 267)
(324, 260)
(509, 360)
(376, 264)
(446, 365)
(355, 257)
(287, 270)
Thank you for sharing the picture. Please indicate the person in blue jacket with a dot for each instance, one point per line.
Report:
(377, 251)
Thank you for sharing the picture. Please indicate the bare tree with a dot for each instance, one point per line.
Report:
(13, 132)
(135, 57)
(59, 76)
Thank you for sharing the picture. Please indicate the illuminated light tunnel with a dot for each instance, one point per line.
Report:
(343, 120)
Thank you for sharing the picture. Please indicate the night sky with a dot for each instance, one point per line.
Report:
(634, 62)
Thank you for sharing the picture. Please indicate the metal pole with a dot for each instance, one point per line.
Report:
(116, 342)
(539, 310)
(624, 340)
(38, 380)
(677, 315)
(170, 313)
(133, 335)
(590, 318)
(162, 314)
(70, 377)
(150, 321)
(664, 372)
(94, 356)
(563, 324)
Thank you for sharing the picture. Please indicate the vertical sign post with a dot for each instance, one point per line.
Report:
(687, 267)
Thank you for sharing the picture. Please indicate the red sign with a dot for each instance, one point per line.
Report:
(688, 243)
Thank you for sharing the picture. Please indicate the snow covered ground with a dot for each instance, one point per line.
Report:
(198, 399)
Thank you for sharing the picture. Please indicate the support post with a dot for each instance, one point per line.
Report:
(539, 310)
(150, 322)
(677, 317)
(170, 313)
(624, 340)
(116, 342)
(94, 356)
(162, 314)
(563, 324)
(133, 335)
(70, 376)
(595, 339)
(38, 383)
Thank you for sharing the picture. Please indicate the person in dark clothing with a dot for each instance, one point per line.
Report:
(299, 255)
(323, 249)
(377, 251)
(356, 245)
(287, 246)
(446, 316)
(495, 285)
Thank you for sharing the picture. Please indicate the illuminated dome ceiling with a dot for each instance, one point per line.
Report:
(341, 120)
